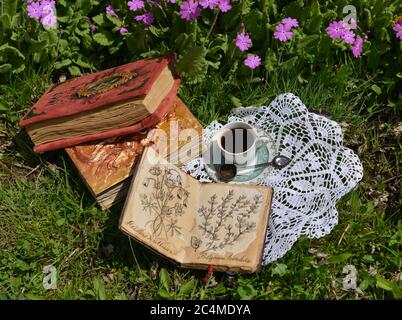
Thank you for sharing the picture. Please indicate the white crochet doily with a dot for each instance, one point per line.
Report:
(306, 191)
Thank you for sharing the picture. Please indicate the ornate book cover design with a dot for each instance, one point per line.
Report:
(114, 102)
(105, 165)
(93, 91)
(195, 224)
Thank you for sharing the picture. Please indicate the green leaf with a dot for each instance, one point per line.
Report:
(389, 286)
(5, 67)
(309, 42)
(99, 289)
(82, 32)
(187, 287)
(62, 64)
(254, 23)
(104, 38)
(314, 24)
(368, 258)
(6, 48)
(367, 282)
(236, 101)
(36, 45)
(74, 71)
(116, 21)
(100, 19)
(60, 222)
(157, 32)
(246, 292)
(83, 62)
(90, 293)
(164, 294)
(270, 60)
(4, 106)
(164, 279)
(315, 8)
(85, 6)
(115, 48)
(280, 269)
(5, 22)
(9, 7)
(192, 65)
(184, 41)
(32, 296)
(376, 89)
(339, 258)
(19, 69)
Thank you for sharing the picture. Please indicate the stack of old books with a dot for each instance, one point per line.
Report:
(127, 133)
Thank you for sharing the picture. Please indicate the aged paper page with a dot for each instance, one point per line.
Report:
(159, 210)
(230, 226)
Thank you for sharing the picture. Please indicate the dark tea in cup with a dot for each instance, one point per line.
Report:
(237, 140)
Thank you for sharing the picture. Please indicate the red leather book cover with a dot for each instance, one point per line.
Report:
(112, 86)
(165, 107)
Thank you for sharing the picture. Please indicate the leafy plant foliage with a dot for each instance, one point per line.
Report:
(87, 38)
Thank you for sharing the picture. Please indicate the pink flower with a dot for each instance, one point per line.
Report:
(224, 5)
(398, 29)
(171, 1)
(211, 4)
(336, 29)
(242, 26)
(283, 32)
(49, 20)
(110, 10)
(252, 61)
(357, 47)
(92, 27)
(189, 10)
(243, 41)
(34, 10)
(134, 5)
(123, 30)
(147, 18)
(290, 23)
(48, 7)
(348, 36)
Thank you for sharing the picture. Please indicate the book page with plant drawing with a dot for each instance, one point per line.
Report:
(196, 224)
(230, 225)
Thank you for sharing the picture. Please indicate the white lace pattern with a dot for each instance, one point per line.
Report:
(306, 191)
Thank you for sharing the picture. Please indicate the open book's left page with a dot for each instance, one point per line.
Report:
(159, 209)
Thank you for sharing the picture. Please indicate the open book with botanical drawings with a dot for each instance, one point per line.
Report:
(195, 224)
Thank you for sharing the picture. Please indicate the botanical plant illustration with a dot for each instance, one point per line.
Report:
(225, 221)
(166, 202)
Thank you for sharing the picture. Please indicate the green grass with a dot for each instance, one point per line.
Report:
(48, 217)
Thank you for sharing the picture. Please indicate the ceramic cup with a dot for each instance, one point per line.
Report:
(237, 142)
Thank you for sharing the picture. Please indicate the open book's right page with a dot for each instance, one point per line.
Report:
(230, 226)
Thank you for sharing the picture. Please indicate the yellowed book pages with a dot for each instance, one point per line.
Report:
(195, 224)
